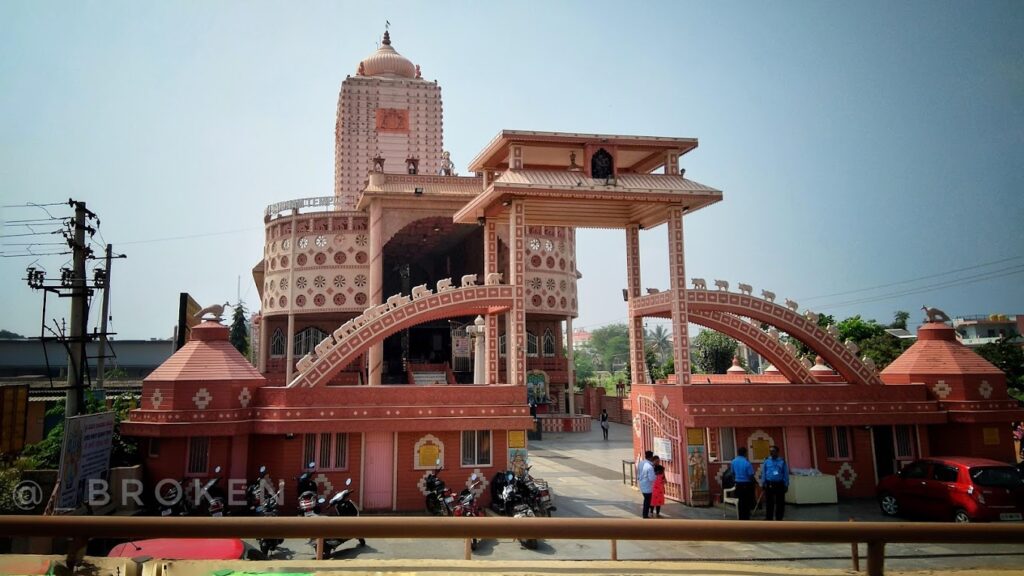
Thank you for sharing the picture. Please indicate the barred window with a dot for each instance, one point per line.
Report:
(903, 441)
(837, 443)
(307, 339)
(277, 343)
(476, 448)
(501, 344)
(198, 455)
(531, 345)
(549, 343)
(328, 449)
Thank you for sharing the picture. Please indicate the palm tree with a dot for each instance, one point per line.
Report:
(660, 341)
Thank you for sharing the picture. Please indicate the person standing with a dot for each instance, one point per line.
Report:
(775, 482)
(658, 496)
(744, 474)
(645, 480)
(604, 422)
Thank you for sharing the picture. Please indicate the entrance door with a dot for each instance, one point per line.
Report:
(379, 474)
(885, 455)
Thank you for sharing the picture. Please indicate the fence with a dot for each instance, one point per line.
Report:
(875, 534)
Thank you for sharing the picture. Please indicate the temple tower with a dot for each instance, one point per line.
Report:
(385, 110)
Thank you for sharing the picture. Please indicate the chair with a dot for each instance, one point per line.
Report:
(729, 497)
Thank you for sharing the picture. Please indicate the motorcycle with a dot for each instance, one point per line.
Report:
(309, 504)
(469, 506)
(343, 506)
(212, 489)
(538, 494)
(262, 504)
(174, 502)
(510, 501)
(439, 498)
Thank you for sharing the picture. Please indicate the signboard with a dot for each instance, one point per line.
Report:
(187, 309)
(460, 346)
(86, 455)
(991, 436)
(13, 417)
(517, 438)
(663, 448)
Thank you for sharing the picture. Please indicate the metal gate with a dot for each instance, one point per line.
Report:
(651, 421)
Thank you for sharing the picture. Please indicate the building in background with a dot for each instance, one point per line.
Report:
(974, 331)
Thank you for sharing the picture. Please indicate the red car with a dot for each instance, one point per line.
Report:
(954, 488)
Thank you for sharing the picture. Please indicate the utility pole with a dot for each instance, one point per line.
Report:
(103, 322)
(79, 317)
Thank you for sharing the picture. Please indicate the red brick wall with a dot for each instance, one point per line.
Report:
(409, 497)
(863, 463)
(969, 440)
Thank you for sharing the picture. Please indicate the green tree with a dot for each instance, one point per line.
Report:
(1007, 355)
(660, 341)
(583, 360)
(713, 352)
(239, 335)
(8, 335)
(124, 450)
(899, 319)
(610, 344)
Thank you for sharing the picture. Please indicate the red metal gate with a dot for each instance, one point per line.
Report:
(650, 421)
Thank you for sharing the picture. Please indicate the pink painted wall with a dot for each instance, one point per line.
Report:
(798, 447)
(379, 470)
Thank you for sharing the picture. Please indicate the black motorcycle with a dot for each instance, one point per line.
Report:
(537, 494)
(343, 506)
(217, 505)
(509, 498)
(262, 502)
(309, 504)
(440, 499)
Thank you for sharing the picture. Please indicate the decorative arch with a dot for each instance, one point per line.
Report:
(335, 355)
(768, 347)
(842, 359)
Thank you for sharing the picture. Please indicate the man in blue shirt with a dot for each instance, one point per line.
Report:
(743, 471)
(775, 481)
(645, 479)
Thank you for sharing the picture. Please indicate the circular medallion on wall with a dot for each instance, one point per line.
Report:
(300, 282)
(534, 244)
(270, 301)
(320, 258)
(319, 281)
(360, 281)
(339, 299)
(562, 285)
(561, 263)
(284, 284)
(321, 241)
(300, 300)
(273, 263)
(301, 259)
(360, 298)
(319, 300)
(550, 284)
(339, 281)
(362, 240)
(550, 261)
(303, 243)
(535, 261)
(282, 301)
(284, 261)
(339, 257)
(286, 244)
(549, 245)
(535, 283)
(574, 303)
(551, 301)
(564, 302)
(361, 257)
(536, 301)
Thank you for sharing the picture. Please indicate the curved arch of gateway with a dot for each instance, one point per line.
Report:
(416, 314)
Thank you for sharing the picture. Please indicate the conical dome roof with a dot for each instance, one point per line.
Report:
(937, 352)
(387, 62)
(208, 355)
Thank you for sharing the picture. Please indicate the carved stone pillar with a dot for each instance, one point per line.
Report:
(636, 323)
(376, 353)
(515, 341)
(677, 277)
(491, 265)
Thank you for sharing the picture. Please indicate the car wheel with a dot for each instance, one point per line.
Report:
(960, 516)
(890, 506)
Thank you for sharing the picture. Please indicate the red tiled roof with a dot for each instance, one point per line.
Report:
(208, 355)
(937, 351)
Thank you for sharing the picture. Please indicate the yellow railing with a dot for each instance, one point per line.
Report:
(875, 534)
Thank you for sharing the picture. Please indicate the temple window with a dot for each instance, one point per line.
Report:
(721, 444)
(501, 345)
(307, 339)
(601, 165)
(903, 442)
(328, 449)
(277, 343)
(531, 345)
(476, 448)
(549, 343)
(837, 443)
(198, 455)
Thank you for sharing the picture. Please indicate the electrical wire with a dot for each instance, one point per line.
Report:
(189, 236)
(921, 290)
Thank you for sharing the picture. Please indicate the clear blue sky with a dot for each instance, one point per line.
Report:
(858, 144)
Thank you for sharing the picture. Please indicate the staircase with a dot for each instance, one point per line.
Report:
(429, 374)
(429, 378)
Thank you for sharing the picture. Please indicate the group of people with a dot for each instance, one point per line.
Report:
(774, 484)
(650, 476)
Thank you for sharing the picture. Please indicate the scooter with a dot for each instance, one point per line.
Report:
(262, 504)
(468, 505)
(216, 507)
(309, 504)
(343, 506)
(439, 498)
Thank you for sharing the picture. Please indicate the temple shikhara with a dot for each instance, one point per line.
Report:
(416, 315)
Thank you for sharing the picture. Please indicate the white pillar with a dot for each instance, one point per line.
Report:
(479, 332)
(571, 370)
(289, 358)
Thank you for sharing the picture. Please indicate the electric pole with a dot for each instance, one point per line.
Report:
(79, 316)
(105, 310)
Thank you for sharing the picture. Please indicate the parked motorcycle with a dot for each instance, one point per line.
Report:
(469, 505)
(260, 503)
(309, 504)
(342, 505)
(217, 505)
(510, 501)
(538, 495)
(440, 499)
(174, 501)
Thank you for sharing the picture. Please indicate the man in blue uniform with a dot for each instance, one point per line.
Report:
(744, 473)
(775, 482)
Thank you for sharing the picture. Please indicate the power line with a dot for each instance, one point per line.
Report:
(991, 275)
(976, 266)
(188, 236)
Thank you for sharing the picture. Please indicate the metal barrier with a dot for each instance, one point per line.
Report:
(875, 534)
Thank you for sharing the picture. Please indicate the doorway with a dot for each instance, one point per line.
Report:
(885, 454)
(378, 458)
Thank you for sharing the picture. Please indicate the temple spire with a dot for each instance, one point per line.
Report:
(387, 38)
